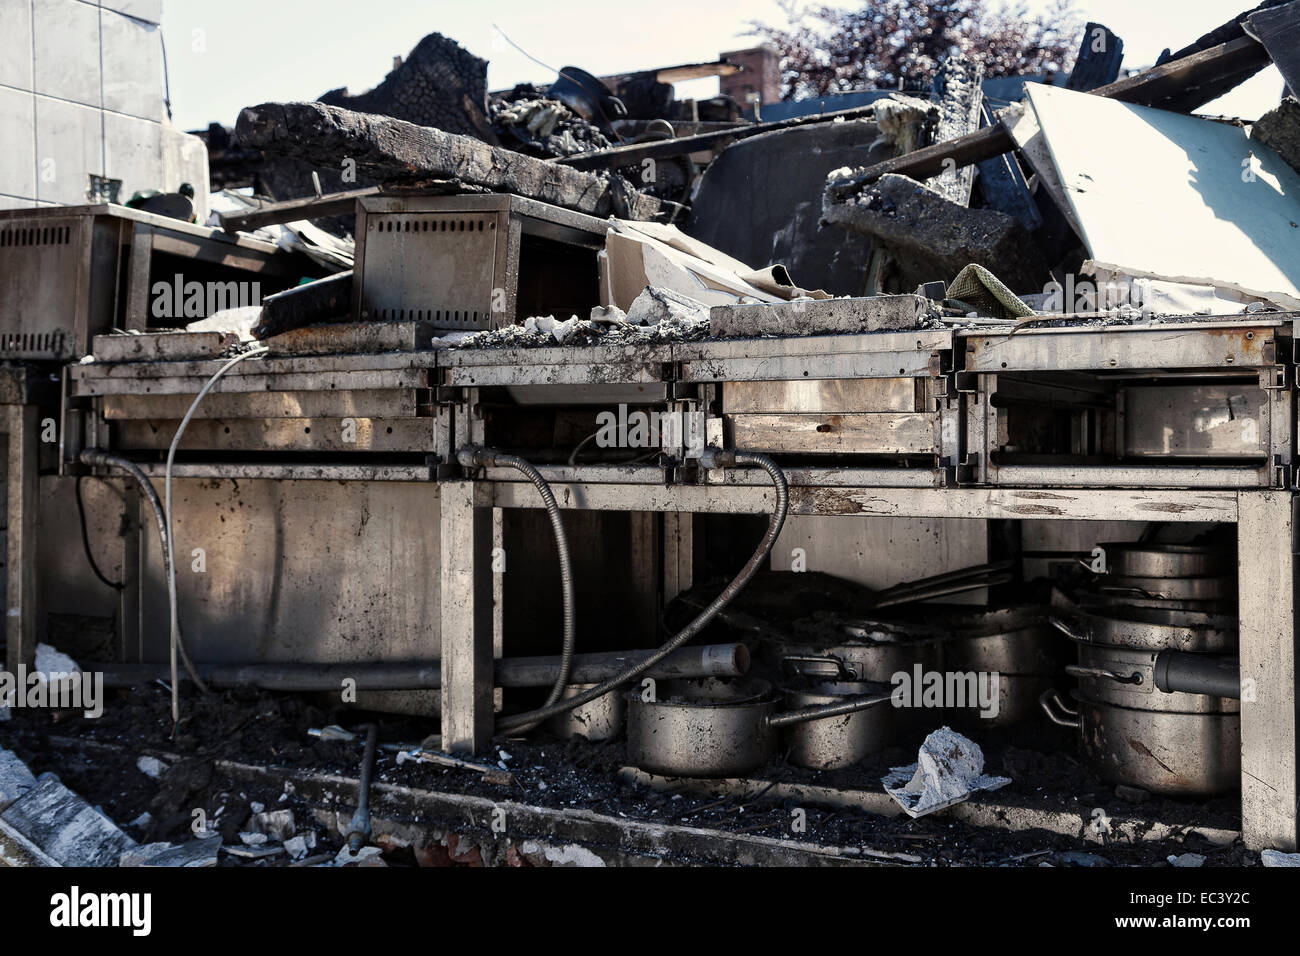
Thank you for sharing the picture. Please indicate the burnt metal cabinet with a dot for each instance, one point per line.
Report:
(469, 263)
(70, 273)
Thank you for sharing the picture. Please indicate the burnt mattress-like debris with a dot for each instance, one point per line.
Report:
(394, 151)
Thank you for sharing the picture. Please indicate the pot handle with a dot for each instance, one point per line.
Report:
(850, 706)
(1078, 670)
(1051, 699)
(842, 670)
(1067, 627)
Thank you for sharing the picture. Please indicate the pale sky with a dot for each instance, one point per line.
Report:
(226, 54)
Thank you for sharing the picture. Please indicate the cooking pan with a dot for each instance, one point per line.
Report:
(1151, 629)
(1135, 559)
(721, 731)
(599, 720)
(832, 743)
(1177, 755)
(1125, 677)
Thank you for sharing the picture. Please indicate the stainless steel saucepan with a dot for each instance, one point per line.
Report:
(723, 730)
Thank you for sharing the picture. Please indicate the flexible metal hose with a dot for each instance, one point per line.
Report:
(170, 565)
(102, 459)
(486, 456)
(532, 718)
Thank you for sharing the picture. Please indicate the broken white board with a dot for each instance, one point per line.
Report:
(1173, 196)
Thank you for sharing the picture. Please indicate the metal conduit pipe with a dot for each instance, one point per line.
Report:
(96, 458)
(710, 660)
(1179, 671)
(472, 457)
(712, 458)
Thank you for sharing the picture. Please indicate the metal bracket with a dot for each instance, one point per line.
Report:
(1273, 377)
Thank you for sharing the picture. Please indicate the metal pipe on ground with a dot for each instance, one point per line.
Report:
(709, 660)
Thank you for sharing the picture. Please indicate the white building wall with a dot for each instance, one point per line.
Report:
(81, 93)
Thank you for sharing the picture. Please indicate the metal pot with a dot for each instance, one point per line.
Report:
(1116, 601)
(864, 651)
(1177, 755)
(597, 720)
(836, 742)
(1009, 641)
(691, 734)
(1125, 677)
(1151, 629)
(1135, 559)
(1170, 589)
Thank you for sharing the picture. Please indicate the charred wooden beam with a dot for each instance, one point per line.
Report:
(391, 150)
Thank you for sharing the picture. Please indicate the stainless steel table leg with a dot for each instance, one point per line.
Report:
(466, 611)
(1267, 576)
(21, 609)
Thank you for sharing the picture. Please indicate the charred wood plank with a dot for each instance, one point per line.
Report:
(390, 150)
(293, 210)
(1100, 54)
(304, 305)
(632, 155)
(1278, 28)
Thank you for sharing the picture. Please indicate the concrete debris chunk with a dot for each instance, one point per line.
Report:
(932, 237)
(192, 853)
(825, 317)
(366, 856)
(151, 766)
(298, 847)
(906, 122)
(15, 778)
(949, 769)
(655, 306)
(65, 826)
(1186, 860)
(253, 852)
(52, 661)
(1278, 858)
(277, 825)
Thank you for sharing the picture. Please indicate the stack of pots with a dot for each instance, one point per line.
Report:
(1154, 598)
(1015, 643)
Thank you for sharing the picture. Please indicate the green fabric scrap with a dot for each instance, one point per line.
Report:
(980, 287)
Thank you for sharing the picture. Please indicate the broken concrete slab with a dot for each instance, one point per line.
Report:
(66, 827)
(934, 238)
(825, 317)
(392, 150)
(161, 346)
